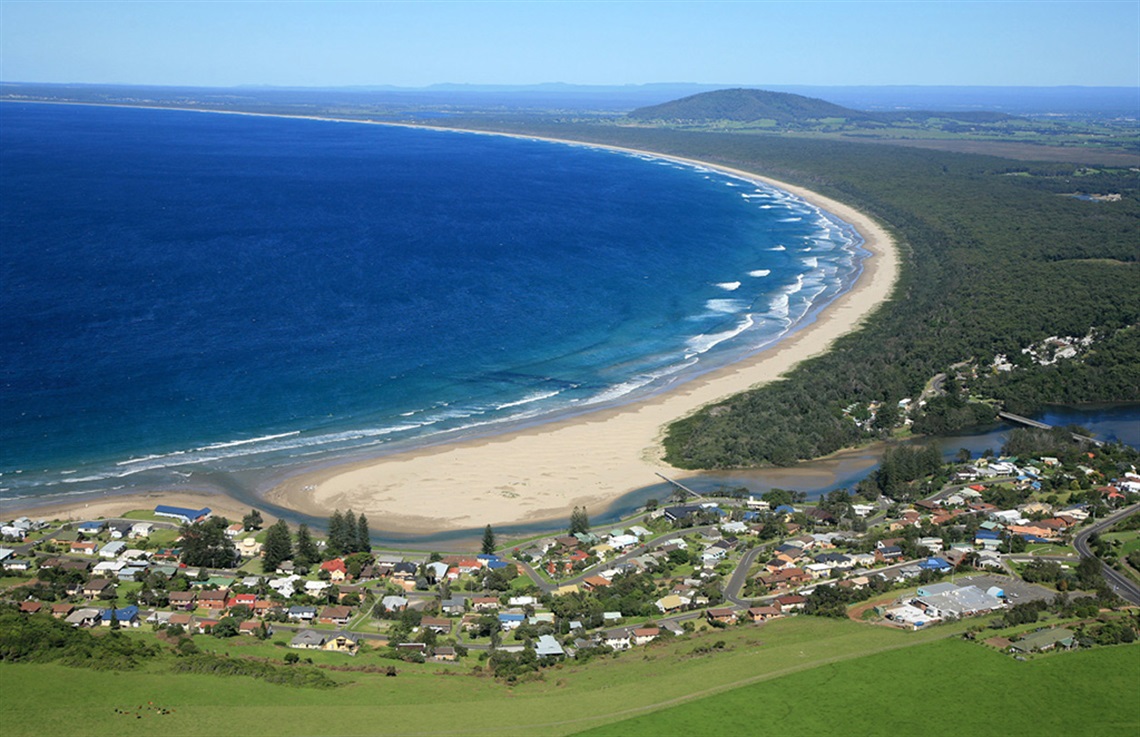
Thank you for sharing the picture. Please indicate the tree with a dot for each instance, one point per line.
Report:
(306, 553)
(206, 544)
(252, 521)
(278, 546)
(363, 536)
(336, 533)
(579, 521)
(488, 540)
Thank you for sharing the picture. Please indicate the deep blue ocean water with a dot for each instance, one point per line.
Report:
(187, 293)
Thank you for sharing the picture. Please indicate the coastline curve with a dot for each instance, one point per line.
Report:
(539, 473)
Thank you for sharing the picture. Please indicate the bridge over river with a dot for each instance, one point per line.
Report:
(1043, 426)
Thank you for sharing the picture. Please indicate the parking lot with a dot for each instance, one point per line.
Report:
(1016, 590)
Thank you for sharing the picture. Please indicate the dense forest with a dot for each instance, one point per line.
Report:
(996, 256)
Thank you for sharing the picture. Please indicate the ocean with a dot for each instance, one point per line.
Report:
(190, 296)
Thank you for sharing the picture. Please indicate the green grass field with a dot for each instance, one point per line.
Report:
(950, 687)
(804, 661)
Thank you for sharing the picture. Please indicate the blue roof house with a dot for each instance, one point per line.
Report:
(182, 514)
(128, 616)
(935, 564)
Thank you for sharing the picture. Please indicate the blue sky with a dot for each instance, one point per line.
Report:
(1025, 42)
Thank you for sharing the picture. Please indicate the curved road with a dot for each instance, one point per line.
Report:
(1124, 587)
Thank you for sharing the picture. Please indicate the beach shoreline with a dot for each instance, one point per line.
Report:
(538, 473)
(107, 506)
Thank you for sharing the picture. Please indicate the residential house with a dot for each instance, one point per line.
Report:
(96, 588)
(645, 635)
(723, 615)
(91, 528)
(791, 602)
(183, 599)
(392, 603)
(62, 610)
(548, 647)
(440, 625)
(336, 569)
(85, 617)
(342, 642)
(140, 529)
(1044, 641)
(127, 616)
(454, 606)
(672, 602)
(214, 601)
(485, 603)
(764, 613)
(308, 640)
(444, 654)
(338, 615)
(301, 613)
(619, 639)
(511, 620)
(83, 548)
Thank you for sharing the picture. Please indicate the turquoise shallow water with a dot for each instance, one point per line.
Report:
(206, 300)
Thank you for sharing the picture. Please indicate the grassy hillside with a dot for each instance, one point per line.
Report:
(951, 688)
(824, 667)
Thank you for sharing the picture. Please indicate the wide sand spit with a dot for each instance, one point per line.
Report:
(540, 473)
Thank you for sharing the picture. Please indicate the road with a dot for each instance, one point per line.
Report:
(1124, 587)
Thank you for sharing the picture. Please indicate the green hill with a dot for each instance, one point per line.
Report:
(742, 105)
(750, 106)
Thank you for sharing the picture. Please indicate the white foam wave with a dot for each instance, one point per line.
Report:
(811, 262)
(538, 397)
(729, 286)
(778, 248)
(725, 306)
(796, 287)
(779, 305)
(236, 443)
(760, 272)
(790, 220)
(699, 344)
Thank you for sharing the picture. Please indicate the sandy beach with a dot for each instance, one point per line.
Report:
(543, 472)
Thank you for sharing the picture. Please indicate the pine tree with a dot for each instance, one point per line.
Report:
(336, 534)
(307, 553)
(488, 540)
(363, 536)
(579, 521)
(348, 534)
(278, 546)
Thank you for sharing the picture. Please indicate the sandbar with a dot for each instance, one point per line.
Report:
(541, 473)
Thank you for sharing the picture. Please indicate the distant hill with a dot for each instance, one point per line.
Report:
(750, 105)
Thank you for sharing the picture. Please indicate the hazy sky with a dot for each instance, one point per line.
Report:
(1024, 42)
